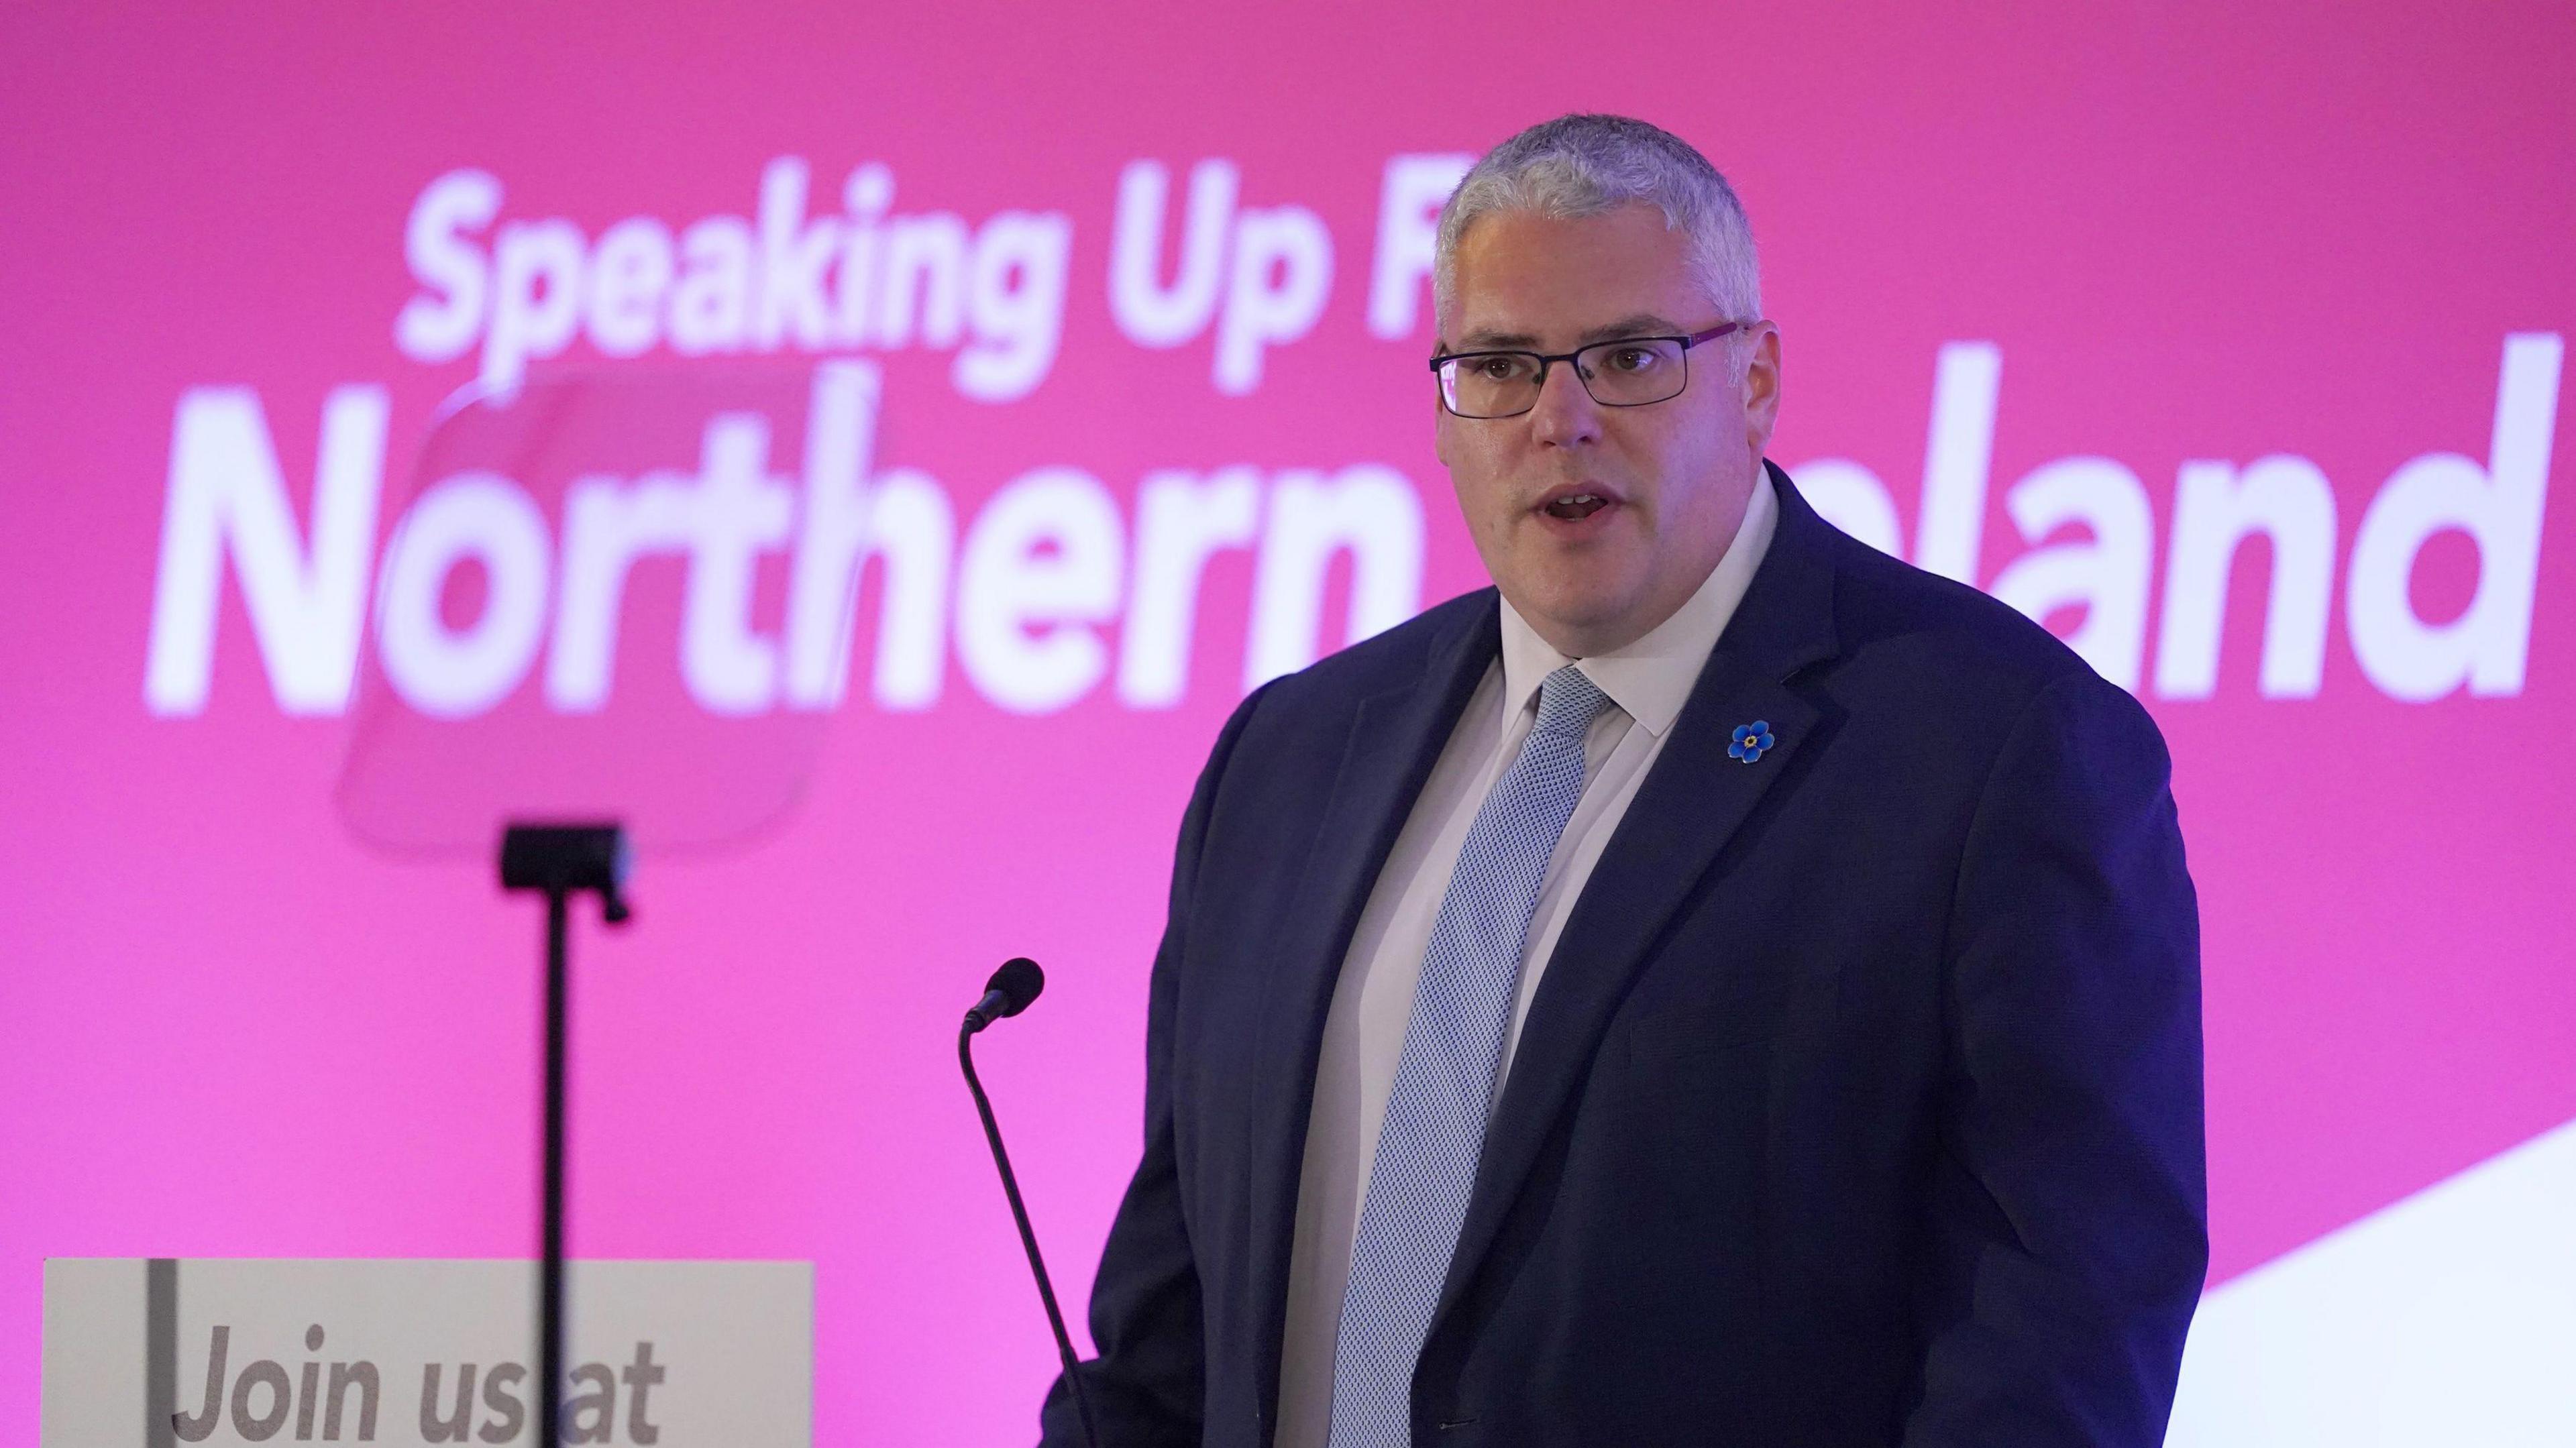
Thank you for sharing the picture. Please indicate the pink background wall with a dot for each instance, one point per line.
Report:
(2189, 232)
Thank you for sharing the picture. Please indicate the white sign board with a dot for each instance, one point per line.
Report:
(166, 1352)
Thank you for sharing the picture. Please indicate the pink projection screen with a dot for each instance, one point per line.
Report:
(2229, 343)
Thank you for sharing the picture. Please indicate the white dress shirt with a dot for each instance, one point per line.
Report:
(1648, 682)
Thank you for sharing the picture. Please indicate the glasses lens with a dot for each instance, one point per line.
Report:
(1631, 374)
(1490, 384)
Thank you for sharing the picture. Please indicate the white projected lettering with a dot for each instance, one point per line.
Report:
(2217, 506)
(2106, 573)
(1283, 270)
(784, 277)
(1046, 606)
(1039, 586)
(457, 672)
(1151, 312)
(608, 526)
(1370, 512)
(1408, 227)
(1046, 593)
(2498, 505)
(1041, 569)
(227, 494)
(1181, 522)
(1275, 264)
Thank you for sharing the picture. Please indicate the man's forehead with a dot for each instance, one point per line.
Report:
(1635, 324)
(1524, 279)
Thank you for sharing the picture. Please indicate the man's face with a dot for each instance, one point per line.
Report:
(1599, 522)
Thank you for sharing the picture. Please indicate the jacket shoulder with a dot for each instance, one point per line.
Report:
(1384, 660)
(1959, 642)
(1956, 668)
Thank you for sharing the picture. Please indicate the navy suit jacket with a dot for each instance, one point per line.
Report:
(1860, 1103)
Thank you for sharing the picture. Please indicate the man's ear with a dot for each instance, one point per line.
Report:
(1761, 390)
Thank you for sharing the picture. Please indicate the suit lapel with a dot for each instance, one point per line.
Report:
(1395, 738)
(1690, 804)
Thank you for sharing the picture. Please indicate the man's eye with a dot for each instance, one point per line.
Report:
(1497, 369)
(1632, 359)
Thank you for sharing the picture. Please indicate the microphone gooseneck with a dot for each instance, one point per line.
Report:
(1008, 993)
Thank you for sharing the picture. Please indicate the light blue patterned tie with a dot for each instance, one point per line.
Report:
(1444, 1082)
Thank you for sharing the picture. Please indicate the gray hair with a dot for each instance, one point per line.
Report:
(1584, 165)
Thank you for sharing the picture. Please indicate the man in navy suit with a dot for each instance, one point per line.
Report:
(1721, 985)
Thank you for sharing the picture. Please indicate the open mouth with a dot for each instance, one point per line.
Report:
(1575, 506)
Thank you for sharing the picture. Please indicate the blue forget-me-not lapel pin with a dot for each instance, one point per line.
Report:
(1750, 741)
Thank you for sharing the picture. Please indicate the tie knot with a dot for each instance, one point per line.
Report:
(1568, 702)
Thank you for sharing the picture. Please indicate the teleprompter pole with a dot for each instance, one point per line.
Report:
(559, 861)
(550, 1321)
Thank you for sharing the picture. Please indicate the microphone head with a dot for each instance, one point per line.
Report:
(1019, 981)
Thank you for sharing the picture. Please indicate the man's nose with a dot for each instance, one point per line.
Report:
(1565, 415)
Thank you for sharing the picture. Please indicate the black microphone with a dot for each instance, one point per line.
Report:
(1007, 994)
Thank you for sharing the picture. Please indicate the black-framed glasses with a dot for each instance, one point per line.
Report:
(1623, 372)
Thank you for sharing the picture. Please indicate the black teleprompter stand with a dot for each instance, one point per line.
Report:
(560, 860)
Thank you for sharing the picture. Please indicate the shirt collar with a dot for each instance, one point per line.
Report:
(1651, 678)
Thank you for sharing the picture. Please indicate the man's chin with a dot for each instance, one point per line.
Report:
(1576, 615)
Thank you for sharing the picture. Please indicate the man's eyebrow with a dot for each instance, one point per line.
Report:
(1643, 324)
